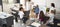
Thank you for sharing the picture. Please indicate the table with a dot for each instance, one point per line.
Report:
(6, 19)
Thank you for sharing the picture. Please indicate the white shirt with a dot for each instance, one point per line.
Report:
(21, 14)
(51, 17)
(52, 8)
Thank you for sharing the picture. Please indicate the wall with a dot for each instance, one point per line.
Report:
(57, 4)
(6, 7)
(43, 3)
(39, 2)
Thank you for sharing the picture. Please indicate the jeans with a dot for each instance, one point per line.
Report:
(24, 19)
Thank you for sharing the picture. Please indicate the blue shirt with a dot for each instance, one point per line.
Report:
(36, 10)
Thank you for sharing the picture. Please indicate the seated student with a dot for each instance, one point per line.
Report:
(51, 15)
(41, 17)
(22, 17)
(46, 15)
(32, 15)
(21, 13)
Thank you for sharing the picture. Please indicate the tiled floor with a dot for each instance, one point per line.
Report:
(18, 24)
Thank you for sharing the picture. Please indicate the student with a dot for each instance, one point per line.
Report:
(23, 16)
(21, 13)
(51, 15)
(36, 10)
(53, 8)
(32, 15)
(46, 18)
(41, 17)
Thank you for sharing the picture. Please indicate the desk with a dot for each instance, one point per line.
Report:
(6, 19)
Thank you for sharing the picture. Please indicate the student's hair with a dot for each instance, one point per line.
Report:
(29, 0)
(48, 9)
(41, 14)
(37, 6)
(52, 4)
(20, 8)
(21, 5)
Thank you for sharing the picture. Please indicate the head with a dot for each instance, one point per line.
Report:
(21, 5)
(53, 5)
(29, 0)
(41, 13)
(21, 9)
(48, 9)
(34, 7)
(37, 6)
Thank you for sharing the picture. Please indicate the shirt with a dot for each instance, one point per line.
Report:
(52, 8)
(51, 17)
(36, 10)
(32, 15)
(21, 14)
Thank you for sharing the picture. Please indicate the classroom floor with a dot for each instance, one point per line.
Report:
(19, 24)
